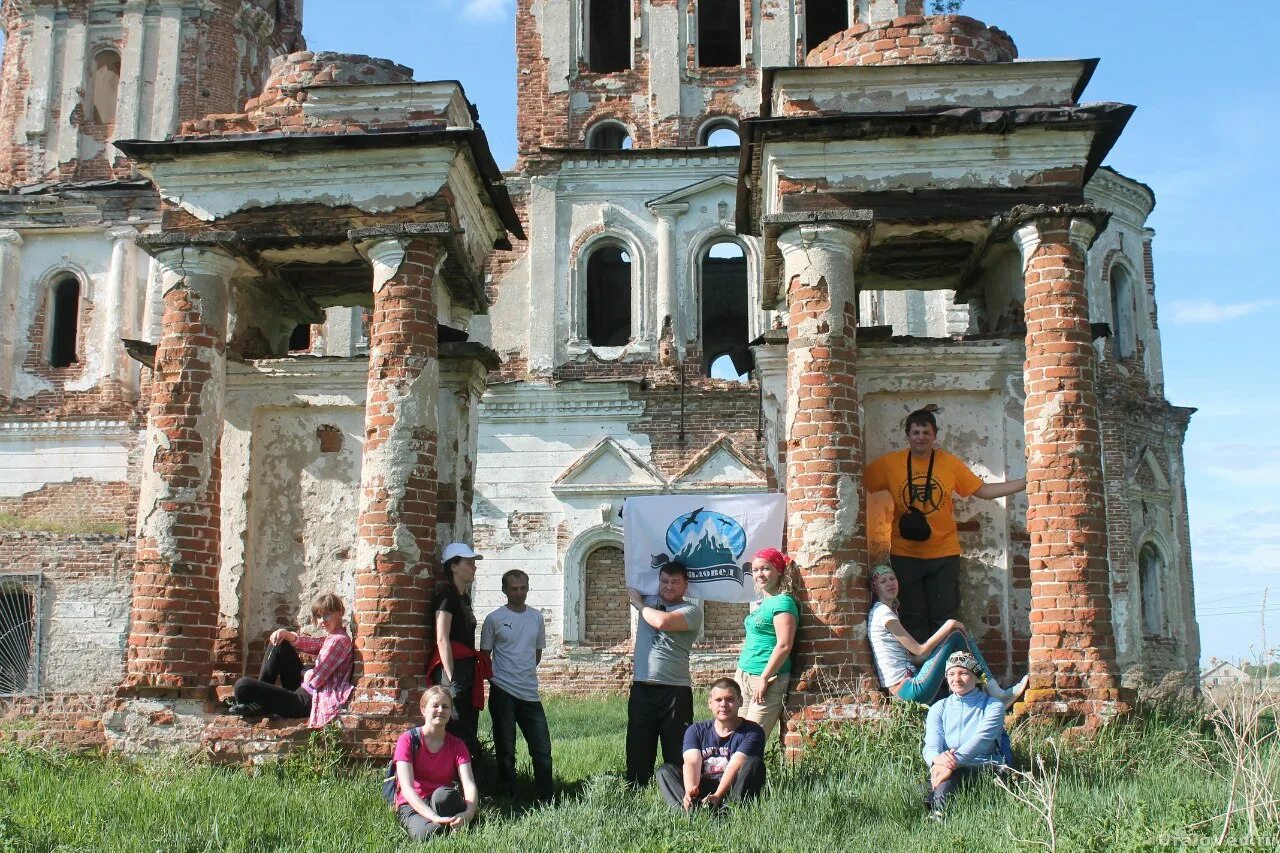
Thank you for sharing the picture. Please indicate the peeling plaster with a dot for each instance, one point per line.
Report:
(392, 464)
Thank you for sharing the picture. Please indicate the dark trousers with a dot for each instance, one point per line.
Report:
(655, 712)
(507, 712)
(937, 797)
(467, 717)
(445, 802)
(928, 593)
(285, 699)
(747, 784)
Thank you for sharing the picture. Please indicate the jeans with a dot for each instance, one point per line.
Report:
(446, 802)
(747, 784)
(928, 593)
(655, 712)
(507, 712)
(288, 699)
(467, 717)
(925, 684)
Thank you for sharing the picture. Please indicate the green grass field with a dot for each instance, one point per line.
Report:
(1140, 785)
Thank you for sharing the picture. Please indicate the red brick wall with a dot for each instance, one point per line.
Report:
(722, 626)
(607, 622)
(1072, 654)
(71, 720)
(398, 489)
(209, 82)
(79, 502)
(915, 40)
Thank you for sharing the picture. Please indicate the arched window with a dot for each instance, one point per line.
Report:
(720, 133)
(1122, 311)
(63, 322)
(608, 28)
(724, 311)
(105, 87)
(609, 296)
(609, 136)
(719, 33)
(1151, 573)
(823, 19)
(607, 619)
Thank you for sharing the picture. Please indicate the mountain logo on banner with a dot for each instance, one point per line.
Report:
(709, 543)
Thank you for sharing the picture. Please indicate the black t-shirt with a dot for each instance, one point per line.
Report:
(447, 599)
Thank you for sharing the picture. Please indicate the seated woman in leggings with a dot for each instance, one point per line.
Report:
(283, 689)
(915, 671)
(429, 773)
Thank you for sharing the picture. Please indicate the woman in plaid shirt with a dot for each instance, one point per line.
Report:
(317, 693)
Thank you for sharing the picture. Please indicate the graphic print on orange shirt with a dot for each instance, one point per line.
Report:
(932, 497)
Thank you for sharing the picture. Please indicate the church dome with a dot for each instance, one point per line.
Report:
(915, 40)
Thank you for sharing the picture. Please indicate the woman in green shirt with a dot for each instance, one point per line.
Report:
(764, 667)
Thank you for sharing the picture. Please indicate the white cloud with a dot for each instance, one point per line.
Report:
(1188, 311)
(485, 10)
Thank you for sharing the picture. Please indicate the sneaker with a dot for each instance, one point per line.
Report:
(245, 709)
(1015, 692)
(1006, 695)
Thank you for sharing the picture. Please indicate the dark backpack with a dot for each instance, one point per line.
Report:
(390, 784)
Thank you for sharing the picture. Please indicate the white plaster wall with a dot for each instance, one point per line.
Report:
(528, 436)
(979, 391)
(106, 301)
(288, 510)
(945, 162)
(303, 511)
(59, 453)
(1123, 242)
(612, 194)
(86, 627)
(920, 313)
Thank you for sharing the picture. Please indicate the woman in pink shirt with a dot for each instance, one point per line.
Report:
(427, 798)
(317, 693)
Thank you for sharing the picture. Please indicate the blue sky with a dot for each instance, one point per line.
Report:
(1198, 139)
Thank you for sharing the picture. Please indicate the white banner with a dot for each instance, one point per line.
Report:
(715, 537)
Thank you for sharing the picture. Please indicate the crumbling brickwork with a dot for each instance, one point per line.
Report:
(396, 527)
(409, 443)
(1072, 654)
(915, 40)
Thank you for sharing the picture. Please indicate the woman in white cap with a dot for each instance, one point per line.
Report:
(456, 664)
(963, 733)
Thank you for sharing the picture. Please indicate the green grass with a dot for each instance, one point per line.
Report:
(16, 524)
(1136, 784)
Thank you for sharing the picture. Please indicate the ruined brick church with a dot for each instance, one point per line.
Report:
(274, 322)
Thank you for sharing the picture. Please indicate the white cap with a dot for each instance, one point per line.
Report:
(459, 549)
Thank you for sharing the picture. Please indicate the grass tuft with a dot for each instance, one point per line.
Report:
(1141, 784)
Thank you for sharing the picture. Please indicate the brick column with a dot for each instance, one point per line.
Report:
(1073, 654)
(826, 532)
(397, 511)
(175, 582)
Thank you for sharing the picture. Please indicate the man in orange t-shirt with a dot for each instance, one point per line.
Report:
(928, 571)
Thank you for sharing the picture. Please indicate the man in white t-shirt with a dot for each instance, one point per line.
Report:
(515, 636)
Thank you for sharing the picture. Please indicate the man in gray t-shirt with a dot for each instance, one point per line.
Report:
(515, 635)
(660, 706)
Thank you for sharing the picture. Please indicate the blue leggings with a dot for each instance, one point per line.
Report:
(923, 686)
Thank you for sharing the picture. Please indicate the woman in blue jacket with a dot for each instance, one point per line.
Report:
(962, 733)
